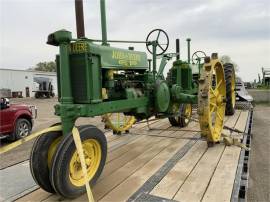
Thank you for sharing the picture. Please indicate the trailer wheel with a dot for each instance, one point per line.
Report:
(41, 157)
(183, 119)
(66, 174)
(37, 95)
(230, 88)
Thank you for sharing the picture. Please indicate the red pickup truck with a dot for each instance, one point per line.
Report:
(16, 120)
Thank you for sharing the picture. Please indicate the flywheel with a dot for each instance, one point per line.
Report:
(212, 99)
(118, 122)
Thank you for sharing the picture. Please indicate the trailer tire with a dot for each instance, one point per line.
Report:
(229, 73)
(66, 173)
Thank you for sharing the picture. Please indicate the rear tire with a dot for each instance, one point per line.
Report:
(229, 72)
(65, 174)
(184, 118)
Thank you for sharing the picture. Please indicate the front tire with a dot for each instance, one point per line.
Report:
(66, 173)
(41, 156)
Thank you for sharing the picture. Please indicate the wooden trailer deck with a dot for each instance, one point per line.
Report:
(165, 163)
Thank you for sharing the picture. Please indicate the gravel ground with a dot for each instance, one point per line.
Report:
(259, 173)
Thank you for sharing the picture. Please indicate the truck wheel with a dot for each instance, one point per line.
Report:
(185, 114)
(230, 88)
(22, 129)
(66, 173)
(41, 156)
(37, 95)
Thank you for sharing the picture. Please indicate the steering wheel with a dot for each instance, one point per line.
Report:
(198, 55)
(161, 38)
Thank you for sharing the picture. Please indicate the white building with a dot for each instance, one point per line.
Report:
(23, 80)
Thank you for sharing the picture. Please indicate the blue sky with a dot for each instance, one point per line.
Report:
(238, 28)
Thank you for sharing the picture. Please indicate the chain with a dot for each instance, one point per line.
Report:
(233, 130)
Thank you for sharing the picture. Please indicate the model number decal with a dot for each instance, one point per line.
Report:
(126, 59)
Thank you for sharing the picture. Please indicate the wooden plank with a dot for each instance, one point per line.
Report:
(241, 123)
(232, 120)
(123, 191)
(123, 149)
(144, 124)
(196, 183)
(221, 185)
(111, 137)
(136, 150)
(121, 141)
(170, 184)
(174, 131)
(222, 181)
(37, 195)
(107, 184)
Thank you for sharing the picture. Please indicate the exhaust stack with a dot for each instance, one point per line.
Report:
(177, 49)
(79, 18)
(103, 23)
(188, 49)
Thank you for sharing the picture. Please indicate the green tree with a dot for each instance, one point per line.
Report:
(45, 66)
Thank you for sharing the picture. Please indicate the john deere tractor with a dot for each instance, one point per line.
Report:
(96, 78)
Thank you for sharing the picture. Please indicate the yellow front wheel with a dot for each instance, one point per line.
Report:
(118, 122)
(212, 99)
(66, 173)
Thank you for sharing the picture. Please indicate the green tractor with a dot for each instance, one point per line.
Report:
(95, 78)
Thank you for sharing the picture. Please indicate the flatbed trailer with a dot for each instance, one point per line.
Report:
(157, 162)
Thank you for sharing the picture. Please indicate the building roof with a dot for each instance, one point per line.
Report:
(29, 70)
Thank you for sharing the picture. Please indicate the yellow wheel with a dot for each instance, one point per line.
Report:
(211, 99)
(92, 154)
(41, 157)
(184, 113)
(118, 122)
(66, 173)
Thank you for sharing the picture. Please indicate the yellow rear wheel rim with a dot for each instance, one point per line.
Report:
(211, 105)
(118, 122)
(188, 112)
(92, 153)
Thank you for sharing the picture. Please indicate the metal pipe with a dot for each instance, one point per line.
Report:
(177, 49)
(188, 49)
(79, 18)
(103, 22)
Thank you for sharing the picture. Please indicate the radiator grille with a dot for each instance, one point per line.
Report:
(78, 68)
